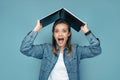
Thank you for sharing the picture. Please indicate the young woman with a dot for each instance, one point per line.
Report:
(60, 60)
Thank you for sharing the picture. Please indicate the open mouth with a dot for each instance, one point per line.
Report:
(60, 40)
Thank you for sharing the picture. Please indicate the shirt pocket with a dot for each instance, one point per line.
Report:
(45, 63)
(74, 64)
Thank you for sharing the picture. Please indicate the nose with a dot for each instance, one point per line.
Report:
(60, 33)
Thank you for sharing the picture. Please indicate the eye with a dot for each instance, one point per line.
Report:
(64, 30)
(56, 31)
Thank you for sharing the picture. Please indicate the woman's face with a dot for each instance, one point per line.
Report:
(61, 34)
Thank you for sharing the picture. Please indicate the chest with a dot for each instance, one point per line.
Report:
(49, 61)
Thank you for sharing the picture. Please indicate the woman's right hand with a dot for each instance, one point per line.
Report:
(38, 26)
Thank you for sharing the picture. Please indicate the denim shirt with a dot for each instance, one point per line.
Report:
(48, 59)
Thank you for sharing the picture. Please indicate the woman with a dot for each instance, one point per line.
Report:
(60, 60)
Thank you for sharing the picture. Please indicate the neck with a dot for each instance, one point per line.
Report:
(61, 49)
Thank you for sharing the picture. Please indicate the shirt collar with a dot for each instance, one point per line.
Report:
(57, 47)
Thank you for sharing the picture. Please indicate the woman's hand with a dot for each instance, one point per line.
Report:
(38, 26)
(84, 28)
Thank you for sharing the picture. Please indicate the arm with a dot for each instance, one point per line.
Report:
(27, 46)
(94, 48)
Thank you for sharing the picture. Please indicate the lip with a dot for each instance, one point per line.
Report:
(60, 40)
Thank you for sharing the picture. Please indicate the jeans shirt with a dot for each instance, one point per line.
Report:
(49, 59)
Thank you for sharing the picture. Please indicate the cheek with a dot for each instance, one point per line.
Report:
(55, 36)
(66, 38)
(67, 35)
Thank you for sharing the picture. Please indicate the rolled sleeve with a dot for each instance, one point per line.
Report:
(93, 49)
(29, 49)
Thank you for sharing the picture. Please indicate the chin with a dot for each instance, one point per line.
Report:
(61, 45)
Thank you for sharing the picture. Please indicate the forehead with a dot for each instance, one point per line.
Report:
(61, 26)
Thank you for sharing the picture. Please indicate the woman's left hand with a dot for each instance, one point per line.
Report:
(84, 28)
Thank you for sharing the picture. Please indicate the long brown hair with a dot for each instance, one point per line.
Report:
(54, 43)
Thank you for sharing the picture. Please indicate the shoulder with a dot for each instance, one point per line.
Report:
(78, 48)
(47, 45)
(75, 46)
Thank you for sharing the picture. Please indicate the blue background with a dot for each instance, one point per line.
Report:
(18, 17)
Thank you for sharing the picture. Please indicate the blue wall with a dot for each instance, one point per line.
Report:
(18, 17)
